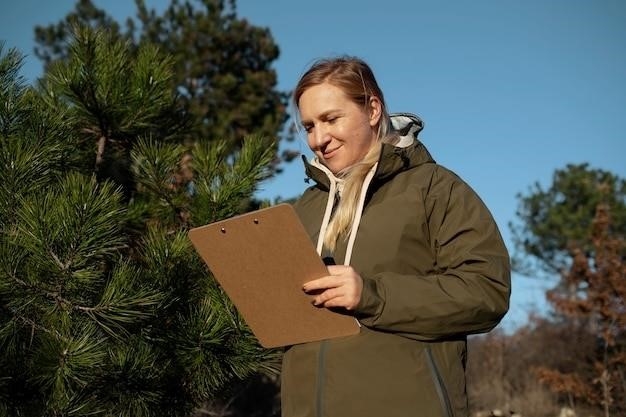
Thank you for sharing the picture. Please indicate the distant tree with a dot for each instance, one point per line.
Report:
(596, 300)
(52, 42)
(222, 65)
(553, 220)
(105, 308)
(553, 238)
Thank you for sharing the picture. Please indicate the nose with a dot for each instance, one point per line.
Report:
(321, 137)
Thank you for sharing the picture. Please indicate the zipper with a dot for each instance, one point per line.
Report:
(439, 385)
(321, 374)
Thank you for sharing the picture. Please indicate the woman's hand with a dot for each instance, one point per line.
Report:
(342, 288)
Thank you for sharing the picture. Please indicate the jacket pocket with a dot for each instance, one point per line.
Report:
(440, 386)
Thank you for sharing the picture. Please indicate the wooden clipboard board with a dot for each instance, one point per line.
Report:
(261, 259)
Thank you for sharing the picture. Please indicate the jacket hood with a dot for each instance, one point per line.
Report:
(408, 127)
(408, 152)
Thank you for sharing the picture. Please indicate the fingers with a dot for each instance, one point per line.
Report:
(336, 298)
(328, 298)
(329, 281)
(342, 288)
(322, 283)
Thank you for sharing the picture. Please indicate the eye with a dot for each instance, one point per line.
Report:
(331, 119)
(307, 127)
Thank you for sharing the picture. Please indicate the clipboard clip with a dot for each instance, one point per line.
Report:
(223, 229)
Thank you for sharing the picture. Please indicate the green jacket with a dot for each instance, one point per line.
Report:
(435, 269)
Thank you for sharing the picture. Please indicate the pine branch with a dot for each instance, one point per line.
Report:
(11, 90)
(123, 302)
(213, 351)
(75, 226)
(64, 366)
(156, 167)
(134, 378)
(223, 181)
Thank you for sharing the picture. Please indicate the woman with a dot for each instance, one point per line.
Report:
(420, 261)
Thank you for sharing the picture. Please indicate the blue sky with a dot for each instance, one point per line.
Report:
(509, 90)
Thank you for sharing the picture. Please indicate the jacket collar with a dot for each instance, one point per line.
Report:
(407, 153)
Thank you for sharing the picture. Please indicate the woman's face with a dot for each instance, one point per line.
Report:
(339, 131)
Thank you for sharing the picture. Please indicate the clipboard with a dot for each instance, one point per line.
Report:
(261, 259)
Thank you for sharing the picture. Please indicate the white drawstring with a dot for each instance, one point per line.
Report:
(359, 212)
(326, 220)
(335, 187)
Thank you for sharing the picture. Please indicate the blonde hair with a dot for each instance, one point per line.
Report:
(357, 81)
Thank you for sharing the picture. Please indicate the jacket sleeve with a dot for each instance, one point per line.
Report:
(467, 292)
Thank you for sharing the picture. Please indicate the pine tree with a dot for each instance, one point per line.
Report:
(222, 64)
(105, 308)
(556, 218)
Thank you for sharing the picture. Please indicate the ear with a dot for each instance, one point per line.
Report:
(375, 110)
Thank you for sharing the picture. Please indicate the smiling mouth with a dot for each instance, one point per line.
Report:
(330, 153)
